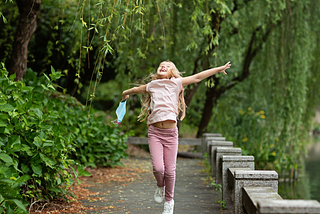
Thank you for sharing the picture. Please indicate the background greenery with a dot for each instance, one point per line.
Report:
(99, 48)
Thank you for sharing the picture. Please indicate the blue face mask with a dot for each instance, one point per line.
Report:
(121, 110)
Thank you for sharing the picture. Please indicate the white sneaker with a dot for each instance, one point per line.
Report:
(168, 207)
(159, 194)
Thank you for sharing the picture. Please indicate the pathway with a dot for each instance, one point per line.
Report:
(192, 194)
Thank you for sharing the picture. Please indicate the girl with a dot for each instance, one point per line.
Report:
(162, 105)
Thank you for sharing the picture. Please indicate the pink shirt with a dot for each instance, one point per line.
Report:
(164, 99)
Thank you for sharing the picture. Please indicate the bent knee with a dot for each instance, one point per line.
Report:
(170, 173)
(158, 170)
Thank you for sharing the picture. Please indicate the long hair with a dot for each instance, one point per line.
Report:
(146, 98)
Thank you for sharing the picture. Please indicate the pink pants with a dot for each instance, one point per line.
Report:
(163, 145)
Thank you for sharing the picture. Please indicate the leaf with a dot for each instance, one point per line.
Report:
(6, 180)
(20, 180)
(55, 75)
(6, 108)
(3, 169)
(82, 172)
(4, 116)
(38, 112)
(4, 21)
(37, 141)
(15, 165)
(24, 168)
(27, 88)
(36, 169)
(12, 77)
(44, 87)
(6, 158)
(9, 210)
(47, 78)
(15, 139)
(50, 162)
(3, 124)
(23, 178)
(48, 144)
(55, 189)
(19, 204)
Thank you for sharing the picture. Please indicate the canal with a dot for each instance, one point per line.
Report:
(307, 186)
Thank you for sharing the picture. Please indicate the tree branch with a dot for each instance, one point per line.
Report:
(251, 53)
(214, 93)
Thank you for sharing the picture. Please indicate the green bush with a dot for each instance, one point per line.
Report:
(45, 138)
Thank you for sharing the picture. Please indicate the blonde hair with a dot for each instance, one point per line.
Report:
(146, 98)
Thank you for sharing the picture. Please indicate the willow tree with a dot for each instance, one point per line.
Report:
(195, 35)
(271, 46)
(265, 40)
(270, 113)
(199, 34)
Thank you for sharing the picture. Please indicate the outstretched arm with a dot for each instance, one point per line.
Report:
(135, 90)
(205, 74)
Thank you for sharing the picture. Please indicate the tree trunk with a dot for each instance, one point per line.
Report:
(211, 99)
(214, 93)
(29, 11)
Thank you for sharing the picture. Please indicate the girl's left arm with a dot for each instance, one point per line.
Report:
(205, 74)
(135, 90)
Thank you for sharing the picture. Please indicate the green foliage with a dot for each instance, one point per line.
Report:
(40, 132)
(97, 144)
(34, 148)
(280, 33)
(126, 40)
(281, 83)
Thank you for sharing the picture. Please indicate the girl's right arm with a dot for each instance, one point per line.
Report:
(135, 90)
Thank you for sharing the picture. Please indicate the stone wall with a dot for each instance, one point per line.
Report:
(244, 189)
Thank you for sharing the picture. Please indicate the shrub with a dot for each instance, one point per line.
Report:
(45, 136)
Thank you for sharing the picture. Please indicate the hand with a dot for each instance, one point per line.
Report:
(225, 67)
(125, 97)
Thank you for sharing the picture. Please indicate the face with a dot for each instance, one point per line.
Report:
(164, 70)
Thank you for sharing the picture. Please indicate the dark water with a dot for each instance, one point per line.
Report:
(307, 186)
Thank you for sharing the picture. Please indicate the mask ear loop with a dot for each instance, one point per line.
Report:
(115, 122)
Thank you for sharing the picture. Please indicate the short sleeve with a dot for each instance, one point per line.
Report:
(148, 87)
(179, 83)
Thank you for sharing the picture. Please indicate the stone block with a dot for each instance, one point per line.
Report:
(204, 135)
(212, 146)
(251, 178)
(216, 143)
(209, 139)
(250, 196)
(204, 140)
(246, 162)
(219, 152)
(288, 206)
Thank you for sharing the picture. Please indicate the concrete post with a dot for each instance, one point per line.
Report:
(209, 139)
(213, 145)
(204, 139)
(252, 178)
(219, 152)
(233, 162)
(220, 143)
